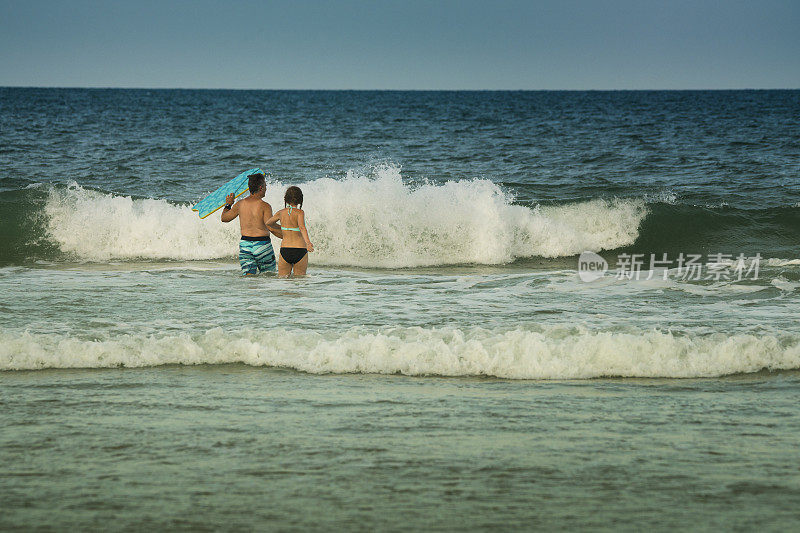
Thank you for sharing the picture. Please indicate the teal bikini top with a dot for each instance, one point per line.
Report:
(290, 229)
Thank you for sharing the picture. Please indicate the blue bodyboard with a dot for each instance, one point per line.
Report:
(216, 199)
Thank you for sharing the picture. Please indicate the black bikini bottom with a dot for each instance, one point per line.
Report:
(293, 255)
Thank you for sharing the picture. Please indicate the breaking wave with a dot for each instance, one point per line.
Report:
(546, 352)
(375, 219)
(365, 221)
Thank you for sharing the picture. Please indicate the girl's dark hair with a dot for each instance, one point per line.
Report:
(294, 196)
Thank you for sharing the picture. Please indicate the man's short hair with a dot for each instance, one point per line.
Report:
(255, 182)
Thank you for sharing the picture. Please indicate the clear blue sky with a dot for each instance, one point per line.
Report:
(409, 44)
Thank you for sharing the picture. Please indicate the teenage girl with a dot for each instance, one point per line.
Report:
(293, 258)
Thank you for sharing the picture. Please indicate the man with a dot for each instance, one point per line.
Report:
(255, 249)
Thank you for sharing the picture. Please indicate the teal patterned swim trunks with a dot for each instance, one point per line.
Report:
(256, 256)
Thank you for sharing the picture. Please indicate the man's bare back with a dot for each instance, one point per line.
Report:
(253, 212)
(255, 249)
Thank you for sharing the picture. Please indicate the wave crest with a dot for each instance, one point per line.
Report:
(373, 220)
(546, 352)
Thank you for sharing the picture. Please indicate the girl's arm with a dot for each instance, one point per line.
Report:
(301, 223)
(269, 222)
(274, 218)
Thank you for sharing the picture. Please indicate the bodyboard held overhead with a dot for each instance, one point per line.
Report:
(216, 199)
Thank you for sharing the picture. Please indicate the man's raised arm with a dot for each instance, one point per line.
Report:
(231, 210)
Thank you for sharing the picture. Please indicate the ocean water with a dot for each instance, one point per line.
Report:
(443, 365)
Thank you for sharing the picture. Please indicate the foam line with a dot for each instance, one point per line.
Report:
(545, 352)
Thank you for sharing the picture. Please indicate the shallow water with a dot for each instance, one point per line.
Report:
(455, 322)
(235, 447)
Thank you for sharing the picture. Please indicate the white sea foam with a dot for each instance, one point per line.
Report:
(663, 196)
(95, 226)
(785, 285)
(779, 262)
(552, 352)
(368, 220)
